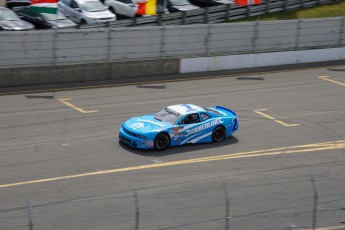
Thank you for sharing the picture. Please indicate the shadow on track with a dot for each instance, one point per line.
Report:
(179, 149)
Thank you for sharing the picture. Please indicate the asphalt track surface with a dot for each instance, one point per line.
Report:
(60, 154)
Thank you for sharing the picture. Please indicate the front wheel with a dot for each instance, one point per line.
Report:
(162, 141)
(219, 134)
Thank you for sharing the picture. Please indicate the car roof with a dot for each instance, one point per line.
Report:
(4, 8)
(186, 108)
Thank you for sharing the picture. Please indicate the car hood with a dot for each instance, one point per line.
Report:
(62, 23)
(186, 7)
(16, 25)
(145, 124)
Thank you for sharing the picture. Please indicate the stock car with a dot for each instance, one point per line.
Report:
(178, 125)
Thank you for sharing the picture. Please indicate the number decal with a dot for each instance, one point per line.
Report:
(136, 125)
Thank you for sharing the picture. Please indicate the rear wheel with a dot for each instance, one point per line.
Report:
(162, 141)
(218, 134)
(82, 22)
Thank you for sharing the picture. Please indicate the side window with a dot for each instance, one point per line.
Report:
(74, 4)
(191, 119)
(26, 10)
(125, 1)
(204, 116)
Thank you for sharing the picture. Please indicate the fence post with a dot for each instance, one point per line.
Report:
(298, 34)
(184, 17)
(137, 211)
(109, 44)
(268, 5)
(160, 19)
(248, 10)
(341, 31)
(314, 203)
(285, 5)
(134, 21)
(255, 36)
(54, 47)
(228, 8)
(206, 15)
(162, 42)
(207, 41)
(227, 205)
(31, 225)
(109, 53)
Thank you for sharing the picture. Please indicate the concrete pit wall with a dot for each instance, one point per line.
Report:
(86, 72)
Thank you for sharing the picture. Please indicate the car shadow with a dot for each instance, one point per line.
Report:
(179, 149)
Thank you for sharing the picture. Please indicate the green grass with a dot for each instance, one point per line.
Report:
(322, 11)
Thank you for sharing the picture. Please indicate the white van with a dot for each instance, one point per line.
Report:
(86, 11)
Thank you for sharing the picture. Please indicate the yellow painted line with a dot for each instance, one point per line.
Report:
(162, 81)
(269, 152)
(326, 78)
(64, 101)
(258, 111)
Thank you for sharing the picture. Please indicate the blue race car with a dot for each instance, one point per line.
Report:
(178, 125)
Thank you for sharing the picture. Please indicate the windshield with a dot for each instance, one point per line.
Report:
(92, 6)
(179, 2)
(7, 15)
(167, 115)
(53, 17)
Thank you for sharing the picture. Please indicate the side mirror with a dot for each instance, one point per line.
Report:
(106, 7)
(77, 9)
(131, 5)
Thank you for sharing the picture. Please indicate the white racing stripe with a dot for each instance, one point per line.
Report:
(200, 137)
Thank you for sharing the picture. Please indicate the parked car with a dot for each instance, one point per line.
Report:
(178, 125)
(209, 3)
(13, 3)
(122, 8)
(86, 11)
(10, 21)
(180, 5)
(44, 20)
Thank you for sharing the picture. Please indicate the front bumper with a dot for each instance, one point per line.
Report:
(134, 141)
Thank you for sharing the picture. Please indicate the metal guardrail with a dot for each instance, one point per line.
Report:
(216, 14)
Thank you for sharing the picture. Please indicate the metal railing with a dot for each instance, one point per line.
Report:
(138, 209)
(216, 14)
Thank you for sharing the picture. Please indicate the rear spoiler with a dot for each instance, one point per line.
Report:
(226, 109)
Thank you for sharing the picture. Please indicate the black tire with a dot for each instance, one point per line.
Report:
(162, 141)
(219, 134)
(82, 22)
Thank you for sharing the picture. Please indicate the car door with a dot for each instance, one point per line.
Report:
(186, 130)
(125, 8)
(74, 11)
